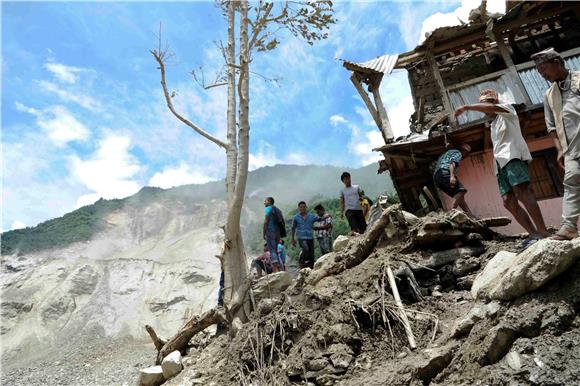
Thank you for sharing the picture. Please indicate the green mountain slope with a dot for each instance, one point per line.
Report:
(287, 183)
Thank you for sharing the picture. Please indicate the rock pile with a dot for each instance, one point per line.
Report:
(341, 322)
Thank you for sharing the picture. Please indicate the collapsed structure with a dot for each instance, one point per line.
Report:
(448, 70)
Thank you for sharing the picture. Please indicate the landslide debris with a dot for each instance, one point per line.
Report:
(340, 324)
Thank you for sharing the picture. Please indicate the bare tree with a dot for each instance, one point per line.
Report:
(259, 27)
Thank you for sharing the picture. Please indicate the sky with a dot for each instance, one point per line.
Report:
(83, 115)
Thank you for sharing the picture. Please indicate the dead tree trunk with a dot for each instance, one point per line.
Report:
(196, 324)
(358, 249)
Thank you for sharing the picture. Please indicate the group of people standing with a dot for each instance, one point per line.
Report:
(512, 155)
(308, 226)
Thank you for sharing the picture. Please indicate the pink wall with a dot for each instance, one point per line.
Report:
(476, 174)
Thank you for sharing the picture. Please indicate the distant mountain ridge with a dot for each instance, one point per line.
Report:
(287, 183)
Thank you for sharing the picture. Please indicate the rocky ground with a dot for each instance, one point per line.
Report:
(346, 329)
(339, 323)
(95, 360)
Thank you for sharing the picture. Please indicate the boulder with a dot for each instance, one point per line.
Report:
(494, 268)
(340, 243)
(151, 376)
(340, 354)
(513, 360)
(531, 269)
(436, 359)
(171, 364)
(271, 285)
(464, 325)
(325, 260)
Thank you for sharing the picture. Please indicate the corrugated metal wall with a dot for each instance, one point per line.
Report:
(470, 95)
(534, 84)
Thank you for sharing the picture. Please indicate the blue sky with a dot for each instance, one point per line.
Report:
(83, 115)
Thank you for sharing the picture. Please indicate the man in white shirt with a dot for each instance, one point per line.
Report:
(350, 204)
(511, 155)
(562, 113)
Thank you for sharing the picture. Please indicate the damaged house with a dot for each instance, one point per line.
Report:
(448, 70)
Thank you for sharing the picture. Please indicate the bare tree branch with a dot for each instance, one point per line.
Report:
(159, 57)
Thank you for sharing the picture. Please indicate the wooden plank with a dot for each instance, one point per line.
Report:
(505, 54)
(440, 84)
(421, 110)
(363, 94)
(407, 158)
(385, 126)
(521, 22)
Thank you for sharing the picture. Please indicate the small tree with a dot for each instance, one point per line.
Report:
(259, 26)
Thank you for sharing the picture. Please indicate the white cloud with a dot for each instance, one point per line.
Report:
(266, 156)
(109, 172)
(17, 225)
(336, 119)
(362, 143)
(68, 96)
(63, 73)
(58, 123)
(297, 158)
(25, 109)
(396, 94)
(180, 175)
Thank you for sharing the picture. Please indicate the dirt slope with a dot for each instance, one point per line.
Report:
(346, 329)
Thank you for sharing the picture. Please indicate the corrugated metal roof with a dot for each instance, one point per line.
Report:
(536, 86)
(383, 64)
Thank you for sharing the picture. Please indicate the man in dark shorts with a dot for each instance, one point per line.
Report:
(511, 155)
(350, 204)
(446, 177)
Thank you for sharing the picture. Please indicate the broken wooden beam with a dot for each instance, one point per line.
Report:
(401, 308)
(496, 221)
(359, 247)
(196, 324)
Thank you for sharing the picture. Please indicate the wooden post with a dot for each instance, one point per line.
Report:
(439, 80)
(505, 54)
(363, 94)
(385, 126)
(399, 303)
(421, 110)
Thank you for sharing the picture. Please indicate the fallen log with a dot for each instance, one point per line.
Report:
(199, 323)
(180, 340)
(496, 221)
(360, 247)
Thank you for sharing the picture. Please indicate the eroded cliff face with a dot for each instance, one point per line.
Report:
(154, 264)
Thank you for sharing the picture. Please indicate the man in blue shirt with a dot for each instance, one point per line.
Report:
(271, 233)
(445, 176)
(303, 227)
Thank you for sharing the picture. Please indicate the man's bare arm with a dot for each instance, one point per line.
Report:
(486, 108)
(560, 157)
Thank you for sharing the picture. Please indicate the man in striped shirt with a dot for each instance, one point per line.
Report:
(445, 176)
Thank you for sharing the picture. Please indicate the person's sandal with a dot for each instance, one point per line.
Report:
(563, 237)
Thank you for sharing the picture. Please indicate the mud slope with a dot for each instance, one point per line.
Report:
(347, 330)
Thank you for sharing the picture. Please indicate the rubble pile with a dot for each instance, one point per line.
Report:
(341, 323)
